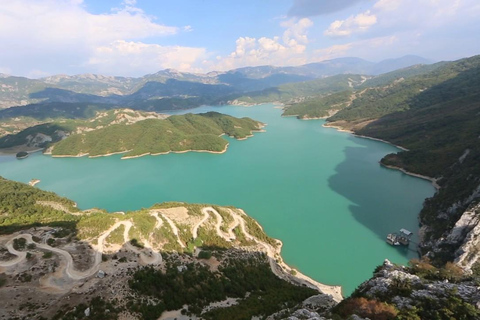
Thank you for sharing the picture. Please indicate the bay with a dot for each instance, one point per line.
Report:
(320, 191)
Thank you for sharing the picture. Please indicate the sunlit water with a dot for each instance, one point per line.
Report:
(322, 192)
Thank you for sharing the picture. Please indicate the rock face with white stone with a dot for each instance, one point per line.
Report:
(467, 231)
(312, 308)
(397, 286)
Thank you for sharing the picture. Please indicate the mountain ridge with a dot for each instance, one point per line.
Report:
(16, 91)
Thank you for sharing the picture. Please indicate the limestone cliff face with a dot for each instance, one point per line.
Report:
(450, 218)
(467, 233)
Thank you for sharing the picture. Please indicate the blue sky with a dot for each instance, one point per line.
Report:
(133, 38)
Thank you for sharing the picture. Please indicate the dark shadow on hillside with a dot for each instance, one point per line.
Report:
(42, 111)
(371, 206)
(62, 95)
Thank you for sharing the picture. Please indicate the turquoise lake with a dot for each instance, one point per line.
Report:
(320, 191)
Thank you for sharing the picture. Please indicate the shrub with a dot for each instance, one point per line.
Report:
(204, 254)
(365, 308)
(19, 243)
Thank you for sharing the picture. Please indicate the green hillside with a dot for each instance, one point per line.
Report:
(19, 208)
(176, 133)
(405, 93)
(292, 91)
(319, 107)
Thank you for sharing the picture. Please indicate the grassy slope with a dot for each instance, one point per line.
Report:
(176, 133)
(19, 209)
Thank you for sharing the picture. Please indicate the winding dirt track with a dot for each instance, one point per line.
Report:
(71, 272)
(278, 267)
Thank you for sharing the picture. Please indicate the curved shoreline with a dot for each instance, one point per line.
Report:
(338, 128)
(160, 153)
(432, 180)
(136, 156)
(417, 175)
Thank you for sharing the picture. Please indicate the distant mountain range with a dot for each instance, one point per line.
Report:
(191, 88)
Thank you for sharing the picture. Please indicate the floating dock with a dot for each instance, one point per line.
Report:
(401, 238)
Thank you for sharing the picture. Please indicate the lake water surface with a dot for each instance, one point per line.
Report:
(320, 191)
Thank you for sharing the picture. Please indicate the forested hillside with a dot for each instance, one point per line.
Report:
(176, 133)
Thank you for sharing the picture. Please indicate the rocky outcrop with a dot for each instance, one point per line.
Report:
(421, 291)
(467, 231)
(313, 308)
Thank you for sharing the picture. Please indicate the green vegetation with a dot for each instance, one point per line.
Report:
(19, 244)
(3, 279)
(47, 255)
(415, 92)
(291, 91)
(134, 242)
(196, 286)
(22, 154)
(19, 209)
(143, 223)
(240, 237)
(205, 254)
(99, 310)
(319, 107)
(93, 225)
(255, 230)
(176, 133)
(226, 216)
(210, 238)
(116, 236)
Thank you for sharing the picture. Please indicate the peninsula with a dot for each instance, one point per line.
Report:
(132, 133)
(212, 253)
(180, 133)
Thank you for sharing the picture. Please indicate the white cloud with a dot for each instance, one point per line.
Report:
(289, 49)
(137, 58)
(438, 29)
(354, 24)
(59, 33)
(425, 14)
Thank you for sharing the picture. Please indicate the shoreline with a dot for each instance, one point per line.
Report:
(263, 125)
(14, 150)
(338, 128)
(381, 140)
(284, 271)
(172, 151)
(432, 180)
